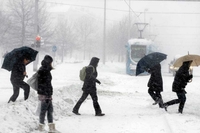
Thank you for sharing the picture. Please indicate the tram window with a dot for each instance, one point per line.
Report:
(137, 52)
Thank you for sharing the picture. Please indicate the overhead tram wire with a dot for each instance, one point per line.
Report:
(120, 10)
(132, 9)
(170, 0)
(135, 12)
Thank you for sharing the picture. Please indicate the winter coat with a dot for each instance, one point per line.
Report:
(45, 77)
(17, 73)
(155, 82)
(181, 78)
(90, 79)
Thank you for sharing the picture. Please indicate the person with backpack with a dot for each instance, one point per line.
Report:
(181, 79)
(45, 92)
(89, 88)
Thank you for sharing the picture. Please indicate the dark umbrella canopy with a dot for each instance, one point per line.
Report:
(149, 61)
(17, 54)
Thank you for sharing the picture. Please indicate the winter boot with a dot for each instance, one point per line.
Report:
(52, 128)
(100, 114)
(41, 127)
(156, 101)
(161, 103)
(165, 106)
(76, 112)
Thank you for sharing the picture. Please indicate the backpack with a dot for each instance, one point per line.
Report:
(33, 81)
(82, 73)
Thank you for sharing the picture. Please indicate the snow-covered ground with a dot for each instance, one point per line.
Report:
(123, 98)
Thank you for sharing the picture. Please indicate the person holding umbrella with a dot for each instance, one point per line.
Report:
(151, 63)
(18, 74)
(181, 79)
(16, 61)
(155, 84)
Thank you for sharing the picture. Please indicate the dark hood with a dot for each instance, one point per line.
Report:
(46, 62)
(186, 64)
(94, 61)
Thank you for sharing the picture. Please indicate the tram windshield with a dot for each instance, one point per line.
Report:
(137, 52)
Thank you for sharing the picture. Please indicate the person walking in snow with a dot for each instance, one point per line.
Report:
(155, 85)
(18, 74)
(45, 92)
(181, 79)
(89, 88)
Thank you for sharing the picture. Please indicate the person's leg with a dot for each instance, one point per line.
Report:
(175, 101)
(159, 97)
(182, 99)
(50, 112)
(153, 95)
(44, 107)
(15, 93)
(80, 101)
(26, 89)
(96, 105)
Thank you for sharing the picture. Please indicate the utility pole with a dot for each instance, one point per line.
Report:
(129, 22)
(104, 34)
(36, 29)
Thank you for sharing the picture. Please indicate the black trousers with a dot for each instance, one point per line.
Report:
(46, 108)
(94, 97)
(16, 88)
(155, 95)
(181, 100)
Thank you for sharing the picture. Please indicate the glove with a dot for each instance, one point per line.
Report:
(98, 81)
(191, 76)
(184, 92)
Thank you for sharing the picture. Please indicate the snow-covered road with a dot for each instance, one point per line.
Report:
(123, 98)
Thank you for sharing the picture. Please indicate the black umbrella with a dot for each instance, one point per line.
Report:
(149, 61)
(17, 54)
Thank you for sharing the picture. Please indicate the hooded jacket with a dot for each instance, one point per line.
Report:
(45, 77)
(182, 77)
(90, 79)
(155, 82)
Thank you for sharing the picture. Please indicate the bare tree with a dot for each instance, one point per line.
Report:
(65, 37)
(5, 25)
(85, 29)
(117, 38)
(21, 14)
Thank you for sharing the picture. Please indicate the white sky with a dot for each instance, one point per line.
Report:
(174, 25)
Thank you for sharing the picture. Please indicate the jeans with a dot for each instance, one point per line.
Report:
(46, 107)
